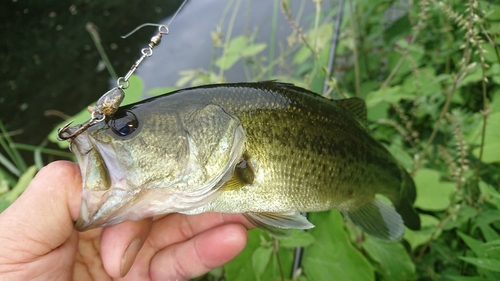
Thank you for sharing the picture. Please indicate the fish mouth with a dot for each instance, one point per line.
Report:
(100, 174)
(109, 198)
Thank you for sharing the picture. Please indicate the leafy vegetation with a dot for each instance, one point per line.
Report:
(430, 78)
(429, 71)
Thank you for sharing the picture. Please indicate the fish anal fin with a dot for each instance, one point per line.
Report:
(356, 107)
(279, 224)
(378, 219)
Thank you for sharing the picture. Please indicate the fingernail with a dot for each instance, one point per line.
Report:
(129, 256)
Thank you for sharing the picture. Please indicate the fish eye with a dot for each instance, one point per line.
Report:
(124, 123)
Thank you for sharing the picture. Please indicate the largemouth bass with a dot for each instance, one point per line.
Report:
(267, 150)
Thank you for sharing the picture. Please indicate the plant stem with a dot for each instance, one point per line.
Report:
(92, 29)
(272, 40)
(54, 152)
(357, 83)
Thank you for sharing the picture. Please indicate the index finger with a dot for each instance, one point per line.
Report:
(176, 228)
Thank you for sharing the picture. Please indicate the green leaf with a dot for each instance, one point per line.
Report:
(492, 249)
(393, 258)
(378, 111)
(489, 264)
(161, 91)
(428, 230)
(400, 153)
(390, 95)
(134, 92)
(238, 48)
(253, 50)
(465, 213)
(227, 61)
(473, 244)
(489, 233)
(332, 257)
(486, 217)
(302, 55)
(491, 152)
(260, 259)
(241, 268)
(237, 44)
(298, 238)
(21, 185)
(397, 29)
(490, 193)
(4, 204)
(432, 194)
(465, 278)
(285, 262)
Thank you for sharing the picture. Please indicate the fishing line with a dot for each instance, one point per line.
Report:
(109, 103)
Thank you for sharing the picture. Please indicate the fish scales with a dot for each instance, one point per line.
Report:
(308, 167)
(268, 150)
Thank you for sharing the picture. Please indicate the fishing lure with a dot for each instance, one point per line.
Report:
(111, 100)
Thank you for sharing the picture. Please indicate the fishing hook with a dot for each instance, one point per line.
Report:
(106, 105)
(109, 103)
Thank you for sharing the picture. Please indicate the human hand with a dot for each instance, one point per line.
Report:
(38, 241)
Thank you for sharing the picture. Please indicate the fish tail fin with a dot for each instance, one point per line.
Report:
(378, 219)
(407, 196)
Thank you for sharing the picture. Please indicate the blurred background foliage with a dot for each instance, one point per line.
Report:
(429, 72)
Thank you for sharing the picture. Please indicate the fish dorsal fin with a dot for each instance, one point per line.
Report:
(357, 107)
(378, 219)
(279, 224)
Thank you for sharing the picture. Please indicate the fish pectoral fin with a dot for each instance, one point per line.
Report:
(278, 223)
(378, 219)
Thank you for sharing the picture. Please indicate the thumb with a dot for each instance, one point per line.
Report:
(42, 218)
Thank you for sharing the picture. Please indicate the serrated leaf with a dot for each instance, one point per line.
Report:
(432, 194)
(393, 258)
(298, 238)
(332, 257)
(489, 264)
